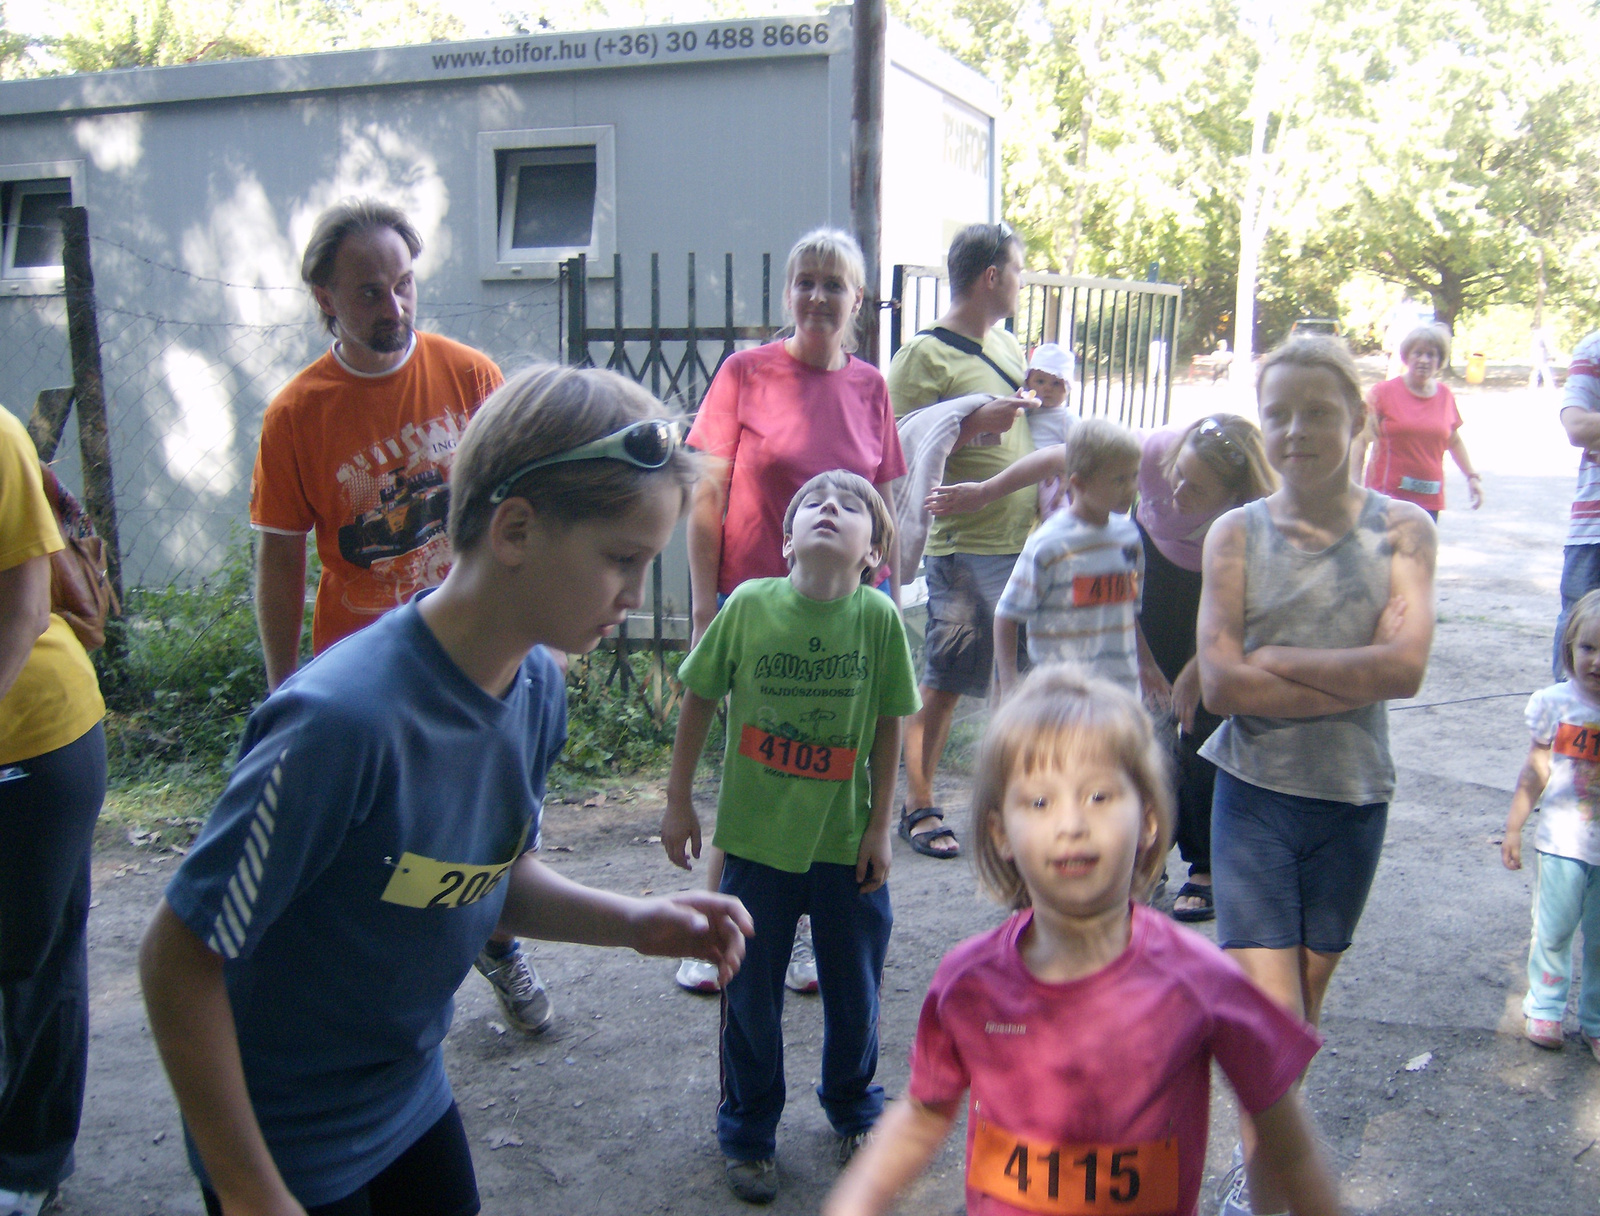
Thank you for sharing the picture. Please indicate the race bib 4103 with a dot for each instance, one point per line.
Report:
(1130, 1179)
(795, 758)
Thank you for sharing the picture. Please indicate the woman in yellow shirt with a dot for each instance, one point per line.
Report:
(52, 782)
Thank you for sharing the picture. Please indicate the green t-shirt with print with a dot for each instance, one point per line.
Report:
(926, 370)
(810, 679)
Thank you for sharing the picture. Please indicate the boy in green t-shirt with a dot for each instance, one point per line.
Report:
(820, 676)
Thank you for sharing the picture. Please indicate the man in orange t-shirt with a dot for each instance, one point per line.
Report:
(358, 445)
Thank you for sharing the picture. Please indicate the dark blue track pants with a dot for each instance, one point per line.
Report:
(851, 935)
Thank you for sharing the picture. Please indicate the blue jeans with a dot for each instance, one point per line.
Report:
(1568, 895)
(850, 932)
(1580, 574)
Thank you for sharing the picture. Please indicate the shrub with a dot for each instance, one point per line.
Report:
(183, 669)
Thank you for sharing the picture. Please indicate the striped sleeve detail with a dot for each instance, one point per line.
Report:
(239, 899)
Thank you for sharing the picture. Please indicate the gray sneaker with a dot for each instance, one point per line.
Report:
(752, 1181)
(1236, 1188)
(522, 993)
(849, 1146)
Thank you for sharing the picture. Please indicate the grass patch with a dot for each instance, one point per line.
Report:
(182, 671)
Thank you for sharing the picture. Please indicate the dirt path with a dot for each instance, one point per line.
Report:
(612, 1112)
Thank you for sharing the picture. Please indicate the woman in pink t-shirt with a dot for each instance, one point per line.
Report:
(774, 417)
(777, 415)
(1412, 423)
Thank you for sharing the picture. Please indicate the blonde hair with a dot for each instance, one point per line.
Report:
(1232, 449)
(1058, 713)
(539, 412)
(1330, 355)
(1432, 334)
(1093, 444)
(829, 249)
(850, 483)
(1585, 612)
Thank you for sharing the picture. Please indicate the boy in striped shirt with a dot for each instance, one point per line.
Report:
(1076, 585)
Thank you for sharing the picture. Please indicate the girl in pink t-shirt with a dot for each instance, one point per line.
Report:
(1083, 1028)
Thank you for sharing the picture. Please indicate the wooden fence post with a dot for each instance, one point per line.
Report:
(94, 441)
(48, 420)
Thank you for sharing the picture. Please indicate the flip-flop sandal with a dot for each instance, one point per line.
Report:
(922, 842)
(1196, 891)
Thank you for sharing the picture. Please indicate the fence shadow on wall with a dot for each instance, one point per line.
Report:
(191, 356)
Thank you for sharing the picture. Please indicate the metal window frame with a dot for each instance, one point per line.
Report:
(34, 280)
(498, 259)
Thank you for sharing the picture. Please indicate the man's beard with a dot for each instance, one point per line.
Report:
(389, 339)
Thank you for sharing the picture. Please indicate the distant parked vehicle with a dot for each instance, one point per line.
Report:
(1316, 327)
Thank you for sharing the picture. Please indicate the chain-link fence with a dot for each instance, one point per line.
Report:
(190, 362)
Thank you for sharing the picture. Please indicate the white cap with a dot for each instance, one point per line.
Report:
(1052, 359)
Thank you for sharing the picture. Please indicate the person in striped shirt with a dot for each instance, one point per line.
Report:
(1076, 584)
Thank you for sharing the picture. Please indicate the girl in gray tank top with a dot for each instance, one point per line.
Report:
(1316, 608)
(1331, 599)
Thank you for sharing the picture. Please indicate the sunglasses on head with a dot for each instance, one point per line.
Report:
(645, 445)
(1003, 232)
(1230, 451)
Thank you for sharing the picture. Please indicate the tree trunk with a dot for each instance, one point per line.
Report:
(1089, 54)
(1447, 295)
(1253, 222)
(1539, 288)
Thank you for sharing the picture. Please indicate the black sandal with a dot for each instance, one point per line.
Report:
(1195, 891)
(922, 842)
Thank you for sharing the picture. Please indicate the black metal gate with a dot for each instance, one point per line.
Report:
(1123, 335)
(672, 362)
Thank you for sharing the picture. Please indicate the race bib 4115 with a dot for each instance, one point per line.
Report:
(1139, 1178)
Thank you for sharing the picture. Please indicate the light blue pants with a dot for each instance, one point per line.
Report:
(1568, 895)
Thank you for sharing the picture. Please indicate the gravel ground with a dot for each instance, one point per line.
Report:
(612, 1111)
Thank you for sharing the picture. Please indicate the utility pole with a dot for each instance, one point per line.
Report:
(869, 24)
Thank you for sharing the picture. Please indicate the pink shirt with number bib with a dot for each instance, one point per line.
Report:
(1407, 458)
(1091, 1097)
(780, 422)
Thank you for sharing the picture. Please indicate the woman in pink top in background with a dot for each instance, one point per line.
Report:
(774, 417)
(1412, 422)
(777, 415)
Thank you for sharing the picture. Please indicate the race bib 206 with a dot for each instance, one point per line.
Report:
(422, 882)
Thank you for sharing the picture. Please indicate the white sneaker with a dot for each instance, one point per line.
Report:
(802, 973)
(24, 1203)
(697, 975)
(522, 993)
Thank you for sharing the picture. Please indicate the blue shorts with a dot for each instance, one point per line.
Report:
(1290, 871)
(963, 589)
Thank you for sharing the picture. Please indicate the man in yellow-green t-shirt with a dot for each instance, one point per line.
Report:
(969, 557)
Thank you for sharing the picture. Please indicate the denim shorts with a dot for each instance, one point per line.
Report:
(1290, 871)
(963, 588)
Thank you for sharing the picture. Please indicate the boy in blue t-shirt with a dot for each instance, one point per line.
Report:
(820, 677)
(373, 832)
